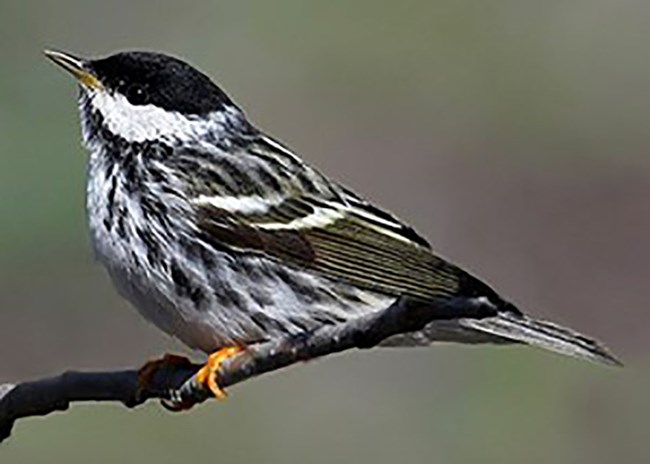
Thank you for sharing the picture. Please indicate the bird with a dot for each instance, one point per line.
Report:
(223, 237)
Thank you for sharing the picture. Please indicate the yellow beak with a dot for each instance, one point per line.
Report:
(76, 67)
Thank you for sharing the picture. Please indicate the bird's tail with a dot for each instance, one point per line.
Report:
(509, 327)
(518, 328)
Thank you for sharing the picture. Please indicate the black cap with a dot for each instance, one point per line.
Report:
(161, 80)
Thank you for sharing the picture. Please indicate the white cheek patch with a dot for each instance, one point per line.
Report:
(139, 123)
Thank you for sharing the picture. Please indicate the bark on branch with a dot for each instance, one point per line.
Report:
(177, 386)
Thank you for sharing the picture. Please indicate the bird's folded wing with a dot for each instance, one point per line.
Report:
(348, 241)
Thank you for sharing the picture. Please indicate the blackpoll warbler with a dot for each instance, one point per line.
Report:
(222, 237)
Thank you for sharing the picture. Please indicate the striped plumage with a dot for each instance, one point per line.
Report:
(220, 235)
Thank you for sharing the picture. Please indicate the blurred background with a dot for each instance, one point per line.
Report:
(513, 134)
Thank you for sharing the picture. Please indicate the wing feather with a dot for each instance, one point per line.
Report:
(333, 238)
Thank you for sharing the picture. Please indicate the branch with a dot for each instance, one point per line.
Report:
(176, 385)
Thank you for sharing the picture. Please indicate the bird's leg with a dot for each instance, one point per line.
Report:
(207, 375)
(147, 372)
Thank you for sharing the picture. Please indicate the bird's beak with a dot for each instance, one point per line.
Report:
(77, 67)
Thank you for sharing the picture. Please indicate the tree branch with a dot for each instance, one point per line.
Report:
(176, 384)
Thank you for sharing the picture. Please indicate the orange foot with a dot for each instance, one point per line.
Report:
(207, 375)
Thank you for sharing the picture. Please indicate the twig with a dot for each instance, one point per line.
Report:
(177, 386)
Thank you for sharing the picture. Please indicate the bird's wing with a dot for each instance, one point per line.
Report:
(305, 220)
(343, 239)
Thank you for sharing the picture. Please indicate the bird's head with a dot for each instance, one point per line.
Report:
(146, 96)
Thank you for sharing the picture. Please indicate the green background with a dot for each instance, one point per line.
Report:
(512, 133)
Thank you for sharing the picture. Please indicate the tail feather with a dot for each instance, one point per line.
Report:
(510, 327)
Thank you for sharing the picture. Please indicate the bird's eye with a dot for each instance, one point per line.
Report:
(137, 94)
